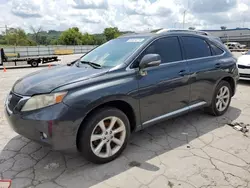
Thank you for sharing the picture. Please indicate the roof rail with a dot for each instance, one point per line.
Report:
(167, 30)
(182, 30)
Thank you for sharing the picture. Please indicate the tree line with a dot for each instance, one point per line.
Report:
(71, 36)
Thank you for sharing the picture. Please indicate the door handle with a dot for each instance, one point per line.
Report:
(217, 65)
(182, 72)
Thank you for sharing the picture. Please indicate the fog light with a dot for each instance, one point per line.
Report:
(43, 135)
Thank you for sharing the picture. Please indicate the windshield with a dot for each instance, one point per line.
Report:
(114, 52)
(248, 53)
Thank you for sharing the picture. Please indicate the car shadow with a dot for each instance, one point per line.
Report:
(22, 157)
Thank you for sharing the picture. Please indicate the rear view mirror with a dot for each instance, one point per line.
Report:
(150, 60)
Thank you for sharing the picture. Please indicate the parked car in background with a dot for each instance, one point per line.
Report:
(120, 87)
(244, 66)
(235, 45)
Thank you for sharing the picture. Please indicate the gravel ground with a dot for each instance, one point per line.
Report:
(195, 150)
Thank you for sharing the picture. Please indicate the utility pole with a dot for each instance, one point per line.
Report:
(6, 30)
(184, 15)
(244, 19)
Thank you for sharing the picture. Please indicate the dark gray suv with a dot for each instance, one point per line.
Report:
(122, 86)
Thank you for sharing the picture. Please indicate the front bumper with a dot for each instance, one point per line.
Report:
(57, 122)
(244, 72)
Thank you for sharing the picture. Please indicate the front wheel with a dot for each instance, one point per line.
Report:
(104, 136)
(221, 99)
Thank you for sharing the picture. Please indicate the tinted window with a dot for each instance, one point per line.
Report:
(196, 47)
(168, 48)
(216, 50)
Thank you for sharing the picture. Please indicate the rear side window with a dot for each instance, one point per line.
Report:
(216, 50)
(196, 47)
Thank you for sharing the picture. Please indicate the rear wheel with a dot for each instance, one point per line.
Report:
(34, 63)
(104, 136)
(221, 99)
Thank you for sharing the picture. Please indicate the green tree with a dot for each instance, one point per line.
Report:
(111, 33)
(99, 39)
(71, 36)
(53, 36)
(2, 39)
(88, 39)
(36, 33)
(54, 42)
(191, 28)
(223, 27)
(155, 30)
(18, 37)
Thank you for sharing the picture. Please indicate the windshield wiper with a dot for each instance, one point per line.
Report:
(94, 65)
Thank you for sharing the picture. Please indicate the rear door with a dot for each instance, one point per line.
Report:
(204, 66)
(164, 90)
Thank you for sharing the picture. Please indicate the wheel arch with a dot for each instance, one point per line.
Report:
(228, 79)
(232, 83)
(126, 107)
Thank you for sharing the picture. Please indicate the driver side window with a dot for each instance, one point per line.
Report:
(168, 48)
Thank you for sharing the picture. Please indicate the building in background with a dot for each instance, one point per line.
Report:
(241, 35)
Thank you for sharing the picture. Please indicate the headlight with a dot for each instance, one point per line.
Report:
(41, 101)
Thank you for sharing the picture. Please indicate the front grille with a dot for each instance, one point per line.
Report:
(13, 101)
(245, 75)
(243, 67)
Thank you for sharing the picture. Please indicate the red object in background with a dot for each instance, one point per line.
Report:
(5, 183)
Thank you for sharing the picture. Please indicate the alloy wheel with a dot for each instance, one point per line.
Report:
(108, 137)
(222, 98)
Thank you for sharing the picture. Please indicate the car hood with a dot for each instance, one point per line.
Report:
(244, 60)
(46, 80)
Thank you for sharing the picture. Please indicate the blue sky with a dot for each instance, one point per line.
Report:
(137, 15)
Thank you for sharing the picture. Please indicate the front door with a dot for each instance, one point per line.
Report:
(164, 90)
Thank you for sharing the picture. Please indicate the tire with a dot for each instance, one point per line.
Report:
(214, 109)
(92, 127)
(34, 63)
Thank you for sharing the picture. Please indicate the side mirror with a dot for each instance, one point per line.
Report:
(150, 60)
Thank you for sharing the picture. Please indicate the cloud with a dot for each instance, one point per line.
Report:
(90, 4)
(212, 6)
(147, 8)
(88, 16)
(25, 9)
(138, 15)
